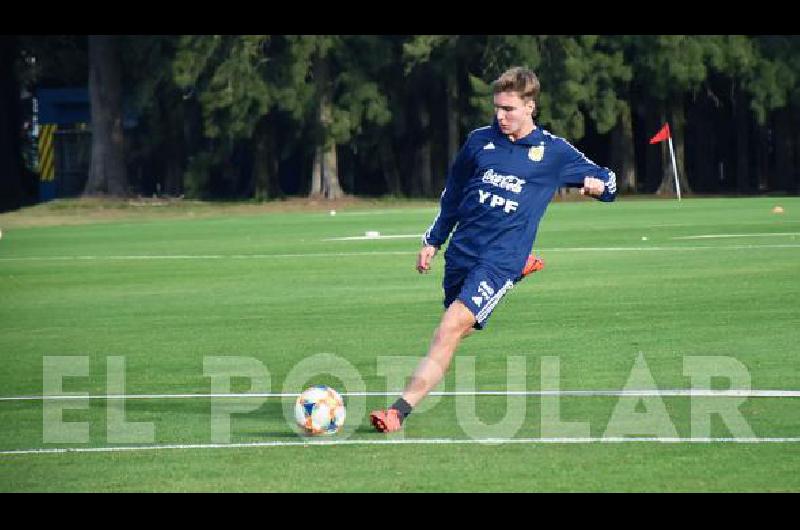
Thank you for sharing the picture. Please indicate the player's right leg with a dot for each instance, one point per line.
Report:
(533, 264)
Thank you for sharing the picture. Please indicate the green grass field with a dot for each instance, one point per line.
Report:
(169, 289)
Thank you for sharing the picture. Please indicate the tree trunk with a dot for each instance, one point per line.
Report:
(265, 168)
(173, 177)
(784, 150)
(742, 117)
(703, 158)
(652, 121)
(391, 172)
(622, 153)
(10, 148)
(424, 152)
(764, 173)
(261, 164)
(330, 176)
(795, 187)
(324, 176)
(453, 137)
(175, 153)
(316, 173)
(107, 173)
(678, 132)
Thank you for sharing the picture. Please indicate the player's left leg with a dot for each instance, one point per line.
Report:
(456, 322)
(469, 305)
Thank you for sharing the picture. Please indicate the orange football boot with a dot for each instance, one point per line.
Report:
(534, 264)
(386, 420)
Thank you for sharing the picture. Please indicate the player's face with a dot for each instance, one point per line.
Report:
(514, 115)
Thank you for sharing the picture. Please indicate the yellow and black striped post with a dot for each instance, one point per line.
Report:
(47, 155)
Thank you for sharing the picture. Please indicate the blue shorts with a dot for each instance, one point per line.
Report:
(479, 289)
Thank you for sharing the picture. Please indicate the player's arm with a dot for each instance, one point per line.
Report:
(577, 171)
(446, 220)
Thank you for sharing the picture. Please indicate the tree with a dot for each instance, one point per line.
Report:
(381, 142)
(439, 63)
(775, 89)
(611, 109)
(320, 84)
(651, 89)
(667, 68)
(11, 176)
(158, 147)
(230, 114)
(107, 172)
(773, 81)
(41, 62)
(226, 76)
(325, 175)
(584, 79)
(348, 99)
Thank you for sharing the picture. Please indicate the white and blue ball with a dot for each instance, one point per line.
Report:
(319, 410)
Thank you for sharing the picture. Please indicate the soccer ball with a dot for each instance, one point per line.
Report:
(319, 410)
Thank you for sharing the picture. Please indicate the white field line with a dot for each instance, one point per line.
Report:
(663, 249)
(385, 211)
(211, 256)
(404, 441)
(360, 238)
(379, 253)
(565, 393)
(721, 236)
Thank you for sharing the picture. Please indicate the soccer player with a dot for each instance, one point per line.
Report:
(497, 190)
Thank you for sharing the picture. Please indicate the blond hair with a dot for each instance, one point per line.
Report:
(520, 80)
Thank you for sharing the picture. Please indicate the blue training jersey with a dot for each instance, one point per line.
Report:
(497, 192)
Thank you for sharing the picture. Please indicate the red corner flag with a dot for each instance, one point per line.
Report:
(661, 135)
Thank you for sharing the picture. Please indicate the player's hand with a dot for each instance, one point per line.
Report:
(593, 186)
(424, 258)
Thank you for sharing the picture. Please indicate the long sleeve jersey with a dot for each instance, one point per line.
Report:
(497, 192)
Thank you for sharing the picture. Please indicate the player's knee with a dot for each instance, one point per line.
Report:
(452, 329)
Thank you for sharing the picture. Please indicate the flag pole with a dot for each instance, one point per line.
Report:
(674, 168)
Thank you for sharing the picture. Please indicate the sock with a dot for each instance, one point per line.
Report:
(403, 407)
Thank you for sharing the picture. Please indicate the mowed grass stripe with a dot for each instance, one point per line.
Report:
(405, 441)
(593, 310)
(145, 257)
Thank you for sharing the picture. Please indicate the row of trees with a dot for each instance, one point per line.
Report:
(263, 116)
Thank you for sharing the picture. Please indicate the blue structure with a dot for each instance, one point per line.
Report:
(63, 115)
(63, 106)
(64, 133)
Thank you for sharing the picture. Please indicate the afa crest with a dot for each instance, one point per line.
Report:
(536, 153)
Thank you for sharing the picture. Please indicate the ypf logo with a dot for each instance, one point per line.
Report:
(497, 200)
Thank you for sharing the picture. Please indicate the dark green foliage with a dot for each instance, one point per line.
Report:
(255, 110)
